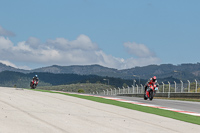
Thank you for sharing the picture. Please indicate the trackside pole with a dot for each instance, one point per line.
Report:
(169, 90)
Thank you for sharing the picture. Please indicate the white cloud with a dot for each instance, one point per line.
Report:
(144, 55)
(8, 63)
(82, 42)
(33, 42)
(139, 50)
(4, 32)
(81, 51)
(5, 43)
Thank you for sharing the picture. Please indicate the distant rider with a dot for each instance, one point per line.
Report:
(35, 78)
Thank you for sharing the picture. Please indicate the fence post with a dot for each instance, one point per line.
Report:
(133, 88)
(163, 87)
(124, 90)
(128, 89)
(141, 88)
(137, 88)
(175, 86)
(169, 90)
(181, 85)
(196, 85)
(188, 85)
(119, 90)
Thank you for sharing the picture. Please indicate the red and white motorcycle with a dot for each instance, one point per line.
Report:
(150, 92)
(33, 84)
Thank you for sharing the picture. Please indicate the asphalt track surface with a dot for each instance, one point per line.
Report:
(175, 104)
(27, 111)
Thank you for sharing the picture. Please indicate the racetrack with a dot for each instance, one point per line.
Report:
(26, 111)
(175, 104)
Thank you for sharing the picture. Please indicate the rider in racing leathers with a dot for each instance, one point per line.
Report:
(36, 79)
(152, 81)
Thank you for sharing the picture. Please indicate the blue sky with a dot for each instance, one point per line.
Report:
(118, 34)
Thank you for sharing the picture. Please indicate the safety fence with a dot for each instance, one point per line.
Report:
(181, 87)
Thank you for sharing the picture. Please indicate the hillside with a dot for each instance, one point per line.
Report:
(81, 70)
(87, 87)
(10, 79)
(4, 67)
(183, 71)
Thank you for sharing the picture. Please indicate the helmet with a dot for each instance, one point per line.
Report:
(154, 78)
(36, 76)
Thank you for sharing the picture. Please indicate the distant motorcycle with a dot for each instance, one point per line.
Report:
(150, 92)
(33, 84)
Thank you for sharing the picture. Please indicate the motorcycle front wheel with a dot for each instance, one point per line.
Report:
(151, 95)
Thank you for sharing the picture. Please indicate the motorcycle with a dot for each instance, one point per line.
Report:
(150, 92)
(33, 84)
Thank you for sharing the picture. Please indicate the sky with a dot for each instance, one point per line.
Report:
(118, 34)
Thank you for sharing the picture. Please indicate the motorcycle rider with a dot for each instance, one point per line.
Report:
(151, 82)
(35, 78)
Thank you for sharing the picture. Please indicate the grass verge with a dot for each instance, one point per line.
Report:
(156, 111)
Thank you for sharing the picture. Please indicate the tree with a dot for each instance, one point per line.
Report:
(125, 85)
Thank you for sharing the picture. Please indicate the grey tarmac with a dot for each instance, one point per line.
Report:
(27, 111)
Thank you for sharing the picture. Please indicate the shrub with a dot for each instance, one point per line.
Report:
(81, 91)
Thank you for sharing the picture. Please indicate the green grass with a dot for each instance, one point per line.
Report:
(156, 111)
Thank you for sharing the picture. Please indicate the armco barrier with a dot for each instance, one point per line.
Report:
(167, 95)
